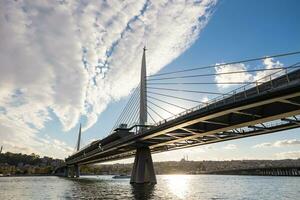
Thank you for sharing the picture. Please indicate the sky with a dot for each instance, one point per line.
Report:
(69, 62)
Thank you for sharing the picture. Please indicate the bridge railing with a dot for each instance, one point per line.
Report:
(248, 90)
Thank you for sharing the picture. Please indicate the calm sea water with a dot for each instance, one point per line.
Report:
(168, 187)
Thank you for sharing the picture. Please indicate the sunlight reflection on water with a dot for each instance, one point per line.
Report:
(168, 187)
(178, 185)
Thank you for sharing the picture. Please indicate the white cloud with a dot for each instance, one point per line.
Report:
(70, 58)
(260, 76)
(230, 147)
(262, 145)
(204, 99)
(288, 155)
(23, 139)
(269, 63)
(229, 78)
(280, 143)
(283, 143)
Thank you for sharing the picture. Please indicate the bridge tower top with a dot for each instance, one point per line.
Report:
(143, 100)
(79, 139)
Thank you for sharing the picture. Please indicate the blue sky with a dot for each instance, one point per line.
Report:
(226, 30)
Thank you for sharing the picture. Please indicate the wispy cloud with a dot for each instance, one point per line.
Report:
(280, 143)
(230, 147)
(26, 141)
(291, 142)
(262, 145)
(288, 155)
(73, 58)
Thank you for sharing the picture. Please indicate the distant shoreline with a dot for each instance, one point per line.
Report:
(215, 173)
(27, 175)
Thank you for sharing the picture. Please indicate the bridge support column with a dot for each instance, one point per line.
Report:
(77, 171)
(143, 170)
(66, 171)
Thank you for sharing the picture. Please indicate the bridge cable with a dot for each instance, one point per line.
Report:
(167, 102)
(195, 101)
(216, 74)
(161, 107)
(229, 63)
(135, 115)
(125, 113)
(203, 83)
(282, 69)
(134, 110)
(127, 106)
(155, 112)
(180, 90)
(151, 117)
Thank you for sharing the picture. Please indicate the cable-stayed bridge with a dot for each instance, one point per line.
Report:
(267, 103)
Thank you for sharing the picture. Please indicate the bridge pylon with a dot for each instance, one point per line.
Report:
(76, 167)
(143, 170)
(79, 138)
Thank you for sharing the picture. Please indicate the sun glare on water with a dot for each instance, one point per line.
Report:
(178, 185)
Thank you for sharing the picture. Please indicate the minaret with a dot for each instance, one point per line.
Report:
(143, 90)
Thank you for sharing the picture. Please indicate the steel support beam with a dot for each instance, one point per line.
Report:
(290, 102)
(247, 114)
(214, 122)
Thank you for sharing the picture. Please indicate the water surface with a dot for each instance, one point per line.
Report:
(167, 187)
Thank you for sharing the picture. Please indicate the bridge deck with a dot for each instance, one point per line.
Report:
(262, 109)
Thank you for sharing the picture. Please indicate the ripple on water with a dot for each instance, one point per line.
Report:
(171, 187)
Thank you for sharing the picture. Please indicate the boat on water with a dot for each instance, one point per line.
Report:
(121, 176)
(3, 175)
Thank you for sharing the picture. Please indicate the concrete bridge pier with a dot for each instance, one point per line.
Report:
(71, 171)
(77, 171)
(66, 171)
(143, 170)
